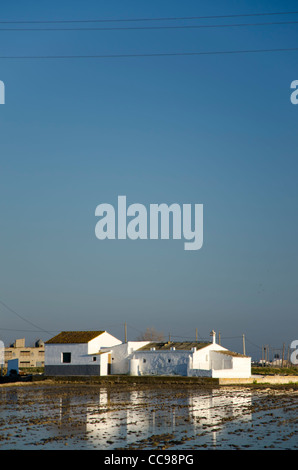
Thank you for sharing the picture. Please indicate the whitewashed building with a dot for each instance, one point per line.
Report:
(121, 356)
(79, 353)
(99, 353)
(193, 359)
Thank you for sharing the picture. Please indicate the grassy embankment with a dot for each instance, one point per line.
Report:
(274, 370)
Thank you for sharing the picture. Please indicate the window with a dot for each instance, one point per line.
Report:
(66, 357)
(144, 360)
(94, 358)
(25, 353)
(169, 360)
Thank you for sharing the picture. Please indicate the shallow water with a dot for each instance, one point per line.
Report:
(92, 417)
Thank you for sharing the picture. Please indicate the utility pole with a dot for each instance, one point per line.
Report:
(283, 355)
(243, 338)
(219, 337)
(125, 333)
(262, 355)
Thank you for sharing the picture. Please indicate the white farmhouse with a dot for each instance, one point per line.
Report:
(193, 359)
(79, 353)
(99, 353)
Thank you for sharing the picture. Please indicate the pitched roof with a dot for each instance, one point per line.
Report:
(74, 337)
(185, 345)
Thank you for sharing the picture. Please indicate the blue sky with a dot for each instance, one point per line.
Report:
(216, 129)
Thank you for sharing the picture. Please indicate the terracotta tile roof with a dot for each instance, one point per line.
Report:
(74, 337)
(185, 345)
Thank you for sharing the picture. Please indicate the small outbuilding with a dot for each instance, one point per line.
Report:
(79, 353)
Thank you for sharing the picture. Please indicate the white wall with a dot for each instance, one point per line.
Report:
(163, 362)
(103, 361)
(121, 355)
(199, 373)
(220, 361)
(179, 362)
(105, 340)
(241, 368)
(226, 367)
(202, 357)
(81, 353)
(209, 362)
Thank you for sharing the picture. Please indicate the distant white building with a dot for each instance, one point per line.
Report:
(79, 353)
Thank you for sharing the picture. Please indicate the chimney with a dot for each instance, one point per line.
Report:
(213, 334)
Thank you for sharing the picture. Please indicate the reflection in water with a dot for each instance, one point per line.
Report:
(124, 416)
(85, 417)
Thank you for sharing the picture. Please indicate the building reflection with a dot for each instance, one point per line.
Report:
(124, 417)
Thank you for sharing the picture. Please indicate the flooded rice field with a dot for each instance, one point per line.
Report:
(86, 417)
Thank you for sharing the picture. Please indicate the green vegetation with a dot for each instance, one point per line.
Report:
(31, 370)
(274, 370)
(131, 380)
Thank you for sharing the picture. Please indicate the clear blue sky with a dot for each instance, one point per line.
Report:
(216, 129)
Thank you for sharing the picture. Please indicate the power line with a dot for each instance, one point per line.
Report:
(26, 331)
(188, 337)
(174, 18)
(23, 318)
(157, 54)
(136, 329)
(253, 344)
(231, 337)
(136, 28)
